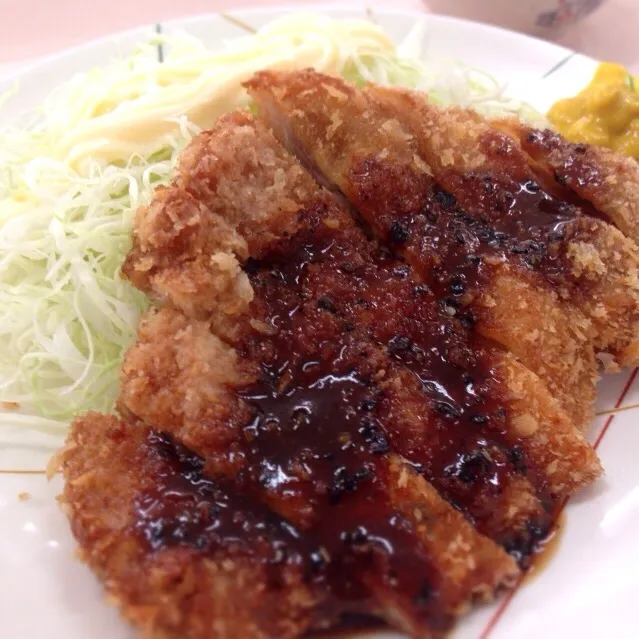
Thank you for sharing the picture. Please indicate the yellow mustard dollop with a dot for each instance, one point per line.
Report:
(605, 113)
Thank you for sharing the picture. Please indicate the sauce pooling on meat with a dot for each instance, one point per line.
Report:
(346, 321)
(187, 507)
(318, 445)
(457, 246)
(355, 308)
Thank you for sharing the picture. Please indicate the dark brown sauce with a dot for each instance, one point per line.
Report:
(187, 507)
(546, 550)
(348, 318)
(457, 243)
(459, 442)
(572, 179)
(576, 169)
(314, 448)
(317, 442)
(351, 627)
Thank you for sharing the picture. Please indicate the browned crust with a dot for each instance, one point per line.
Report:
(238, 191)
(548, 335)
(605, 263)
(607, 180)
(179, 591)
(567, 461)
(233, 189)
(474, 568)
(180, 377)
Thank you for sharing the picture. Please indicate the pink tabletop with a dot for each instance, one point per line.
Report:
(31, 28)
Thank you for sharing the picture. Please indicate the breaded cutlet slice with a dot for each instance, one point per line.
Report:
(187, 555)
(465, 466)
(329, 498)
(170, 257)
(192, 256)
(606, 180)
(168, 575)
(551, 443)
(490, 176)
(360, 146)
(605, 185)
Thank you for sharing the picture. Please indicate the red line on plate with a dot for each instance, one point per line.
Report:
(624, 392)
(494, 620)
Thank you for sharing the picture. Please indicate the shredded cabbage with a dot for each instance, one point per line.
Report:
(71, 181)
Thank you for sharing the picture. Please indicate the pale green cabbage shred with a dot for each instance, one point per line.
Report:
(71, 181)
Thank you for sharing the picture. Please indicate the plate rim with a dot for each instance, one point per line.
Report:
(34, 66)
(383, 13)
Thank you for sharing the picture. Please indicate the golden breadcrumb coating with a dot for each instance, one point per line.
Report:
(365, 387)
(178, 591)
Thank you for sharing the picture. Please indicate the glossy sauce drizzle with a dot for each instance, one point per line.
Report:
(187, 507)
(456, 246)
(359, 312)
(349, 322)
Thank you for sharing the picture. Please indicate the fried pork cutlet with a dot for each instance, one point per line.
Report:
(477, 428)
(185, 555)
(460, 202)
(182, 556)
(192, 255)
(607, 181)
(349, 280)
(319, 422)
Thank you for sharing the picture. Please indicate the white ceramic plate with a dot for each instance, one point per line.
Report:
(590, 587)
